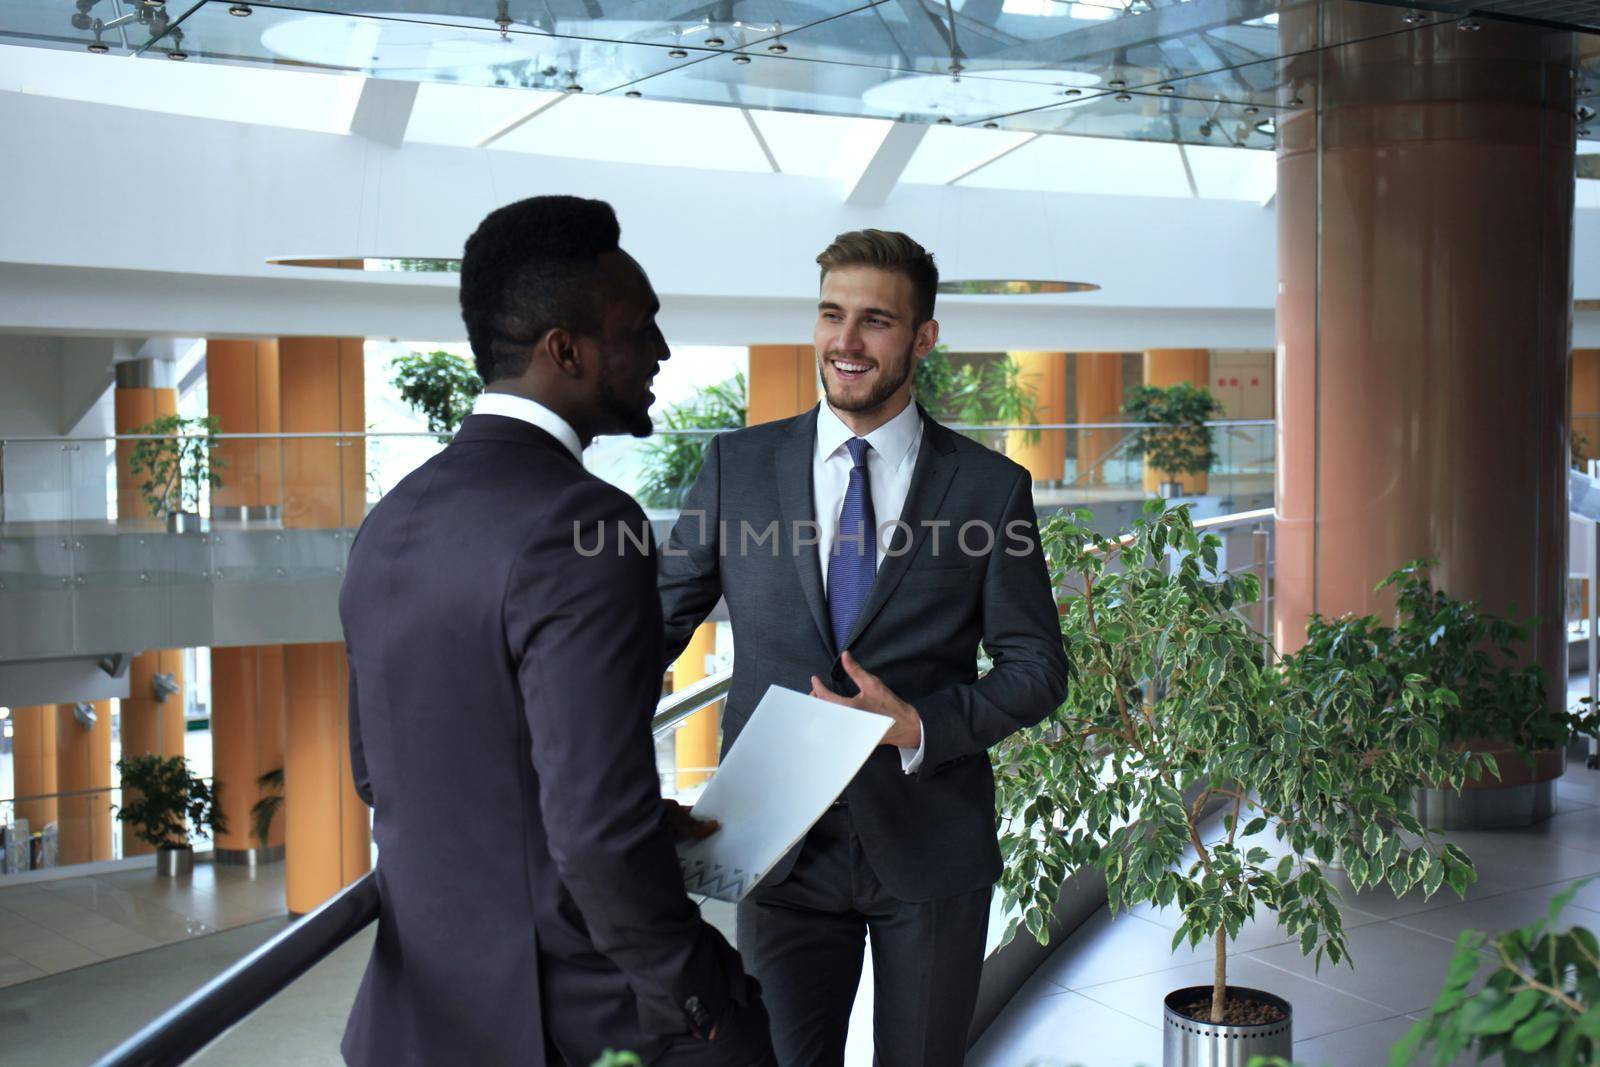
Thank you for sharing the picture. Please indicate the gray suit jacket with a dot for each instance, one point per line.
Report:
(930, 834)
(501, 689)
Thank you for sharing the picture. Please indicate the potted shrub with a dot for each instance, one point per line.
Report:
(1503, 711)
(1540, 1004)
(1176, 709)
(1181, 443)
(976, 394)
(177, 468)
(438, 386)
(162, 799)
(265, 811)
(672, 461)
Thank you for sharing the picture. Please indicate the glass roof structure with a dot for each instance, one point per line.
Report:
(1201, 72)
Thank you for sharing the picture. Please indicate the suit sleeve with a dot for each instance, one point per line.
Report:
(1022, 636)
(584, 628)
(689, 574)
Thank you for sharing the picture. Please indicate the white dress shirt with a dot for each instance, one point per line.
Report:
(535, 414)
(891, 458)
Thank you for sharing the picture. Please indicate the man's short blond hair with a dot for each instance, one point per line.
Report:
(887, 250)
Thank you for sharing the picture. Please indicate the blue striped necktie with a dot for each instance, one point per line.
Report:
(854, 561)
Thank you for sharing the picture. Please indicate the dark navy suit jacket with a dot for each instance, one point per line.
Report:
(743, 535)
(501, 689)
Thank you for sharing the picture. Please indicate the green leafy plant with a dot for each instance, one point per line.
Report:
(609, 1058)
(672, 461)
(1181, 443)
(1457, 646)
(179, 465)
(1540, 1005)
(438, 386)
(265, 810)
(162, 799)
(974, 394)
(1176, 705)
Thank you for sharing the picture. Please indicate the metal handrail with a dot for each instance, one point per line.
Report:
(680, 705)
(219, 1005)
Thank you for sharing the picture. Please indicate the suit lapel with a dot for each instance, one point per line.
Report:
(936, 467)
(797, 511)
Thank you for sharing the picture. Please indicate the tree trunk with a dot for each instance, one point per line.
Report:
(1219, 980)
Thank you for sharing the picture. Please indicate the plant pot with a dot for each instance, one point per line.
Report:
(1522, 796)
(1171, 490)
(185, 522)
(174, 862)
(1190, 1042)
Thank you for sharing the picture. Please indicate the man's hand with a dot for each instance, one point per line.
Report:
(875, 697)
(684, 826)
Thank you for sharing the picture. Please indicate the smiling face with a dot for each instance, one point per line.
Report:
(868, 345)
(632, 348)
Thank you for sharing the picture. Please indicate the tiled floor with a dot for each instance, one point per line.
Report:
(51, 927)
(1097, 1001)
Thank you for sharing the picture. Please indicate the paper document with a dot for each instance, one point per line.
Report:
(793, 758)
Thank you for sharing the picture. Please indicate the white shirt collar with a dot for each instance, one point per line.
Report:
(532, 412)
(892, 441)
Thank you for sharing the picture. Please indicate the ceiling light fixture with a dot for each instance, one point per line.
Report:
(1252, 110)
(944, 120)
(242, 11)
(741, 60)
(1012, 287)
(778, 49)
(1123, 98)
(1166, 89)
(99, 47)
(633, 94)
(974, 99)
(991, 125)
(1117, 83)
(677, 53)
(714, 42)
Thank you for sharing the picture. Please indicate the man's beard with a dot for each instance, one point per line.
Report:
(887, 385)
(617, 411)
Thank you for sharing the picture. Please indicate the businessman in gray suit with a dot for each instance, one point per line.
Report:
(865, 552)
(501, 688)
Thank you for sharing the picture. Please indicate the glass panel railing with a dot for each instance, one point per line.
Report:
(95, 557)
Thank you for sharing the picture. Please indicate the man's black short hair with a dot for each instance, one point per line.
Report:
(528, 268)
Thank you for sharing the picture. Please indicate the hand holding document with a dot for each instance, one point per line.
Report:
(793, 758)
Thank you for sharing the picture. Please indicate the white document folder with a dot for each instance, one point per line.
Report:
(793, 759)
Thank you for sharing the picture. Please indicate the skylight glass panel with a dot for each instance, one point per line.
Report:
(948, 152)
(466, 115)
(297, 99)
(1096, 165)
(650, 132)
(814, 146)
(1233, 173)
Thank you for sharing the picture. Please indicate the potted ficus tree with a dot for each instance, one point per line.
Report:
(1180, 442)
(177, 462)
(1177, 709)
(162, 799)
(1503, 708)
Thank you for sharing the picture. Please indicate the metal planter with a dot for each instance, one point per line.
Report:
(174, 862)
(1188, 1042)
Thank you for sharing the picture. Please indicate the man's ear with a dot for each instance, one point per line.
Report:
(560, 347)
(927, 338)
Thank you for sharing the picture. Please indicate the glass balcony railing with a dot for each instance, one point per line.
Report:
(97, 557)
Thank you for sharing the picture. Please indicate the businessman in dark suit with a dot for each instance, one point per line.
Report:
(501, 689)
(865, 551)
